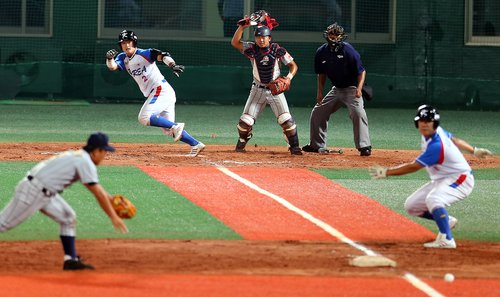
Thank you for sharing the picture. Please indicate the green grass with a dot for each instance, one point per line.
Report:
(389, 128)
(162, 213)
(165, 214)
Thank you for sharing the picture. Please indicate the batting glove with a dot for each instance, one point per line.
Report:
(177, 69)
(111, 54)
(481, 152)
(377, 172)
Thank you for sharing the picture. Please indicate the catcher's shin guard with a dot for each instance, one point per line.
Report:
(293, 141)
(240, 145)
(245, 133)
(290, 131)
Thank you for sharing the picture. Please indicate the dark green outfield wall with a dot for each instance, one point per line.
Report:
(71, 63)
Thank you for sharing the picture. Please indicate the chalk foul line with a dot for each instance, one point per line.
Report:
(413, 280)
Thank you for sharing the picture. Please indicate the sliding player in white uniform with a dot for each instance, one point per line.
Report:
(450, 174)
(159, 108)
(40, 190)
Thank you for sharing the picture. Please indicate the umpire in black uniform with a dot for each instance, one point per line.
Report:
(341, 63)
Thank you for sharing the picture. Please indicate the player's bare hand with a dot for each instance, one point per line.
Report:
(119, 225)
(377, 172)
(177, 69)
(111, 54)
(482, 152)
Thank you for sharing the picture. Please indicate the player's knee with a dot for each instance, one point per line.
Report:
(246, 120)
(433, 202)
(411, 209)
(288, 125)
(245, 123)
(68, 224)
(144, 119)
(284, 117)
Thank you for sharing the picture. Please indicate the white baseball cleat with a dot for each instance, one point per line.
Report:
(177, 130)
(452, 221)
(441, 243)
(196, 149)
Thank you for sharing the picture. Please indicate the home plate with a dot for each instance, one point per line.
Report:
(372, 261)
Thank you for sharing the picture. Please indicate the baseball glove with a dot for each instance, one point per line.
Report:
(123, 207)
(279, 85)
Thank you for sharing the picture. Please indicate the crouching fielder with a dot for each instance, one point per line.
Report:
(450, 174)
(40, 191)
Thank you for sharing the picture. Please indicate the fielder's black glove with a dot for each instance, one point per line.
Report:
(177, 69)
(111, 54)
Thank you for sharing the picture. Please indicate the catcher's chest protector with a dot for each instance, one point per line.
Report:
(266, 60)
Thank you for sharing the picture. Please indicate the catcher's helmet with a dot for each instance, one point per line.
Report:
(427, 113)
(334, 34)
(127, 35)
(262, 31)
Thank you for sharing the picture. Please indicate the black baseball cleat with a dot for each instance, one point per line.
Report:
(365, 151)
(296, 151)
(309, 149)
(77, 264)
(240, 146)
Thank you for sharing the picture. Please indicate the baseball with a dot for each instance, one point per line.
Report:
(448, 277)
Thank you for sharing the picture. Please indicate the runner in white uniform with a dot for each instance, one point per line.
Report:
(40, 190)
(450, 174)
(159, 108)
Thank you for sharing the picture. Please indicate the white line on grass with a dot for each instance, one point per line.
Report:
(416, 282)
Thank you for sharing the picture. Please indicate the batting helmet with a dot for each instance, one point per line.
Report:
(127, 35)
(427, 113)
(334, 34)
(262, 31)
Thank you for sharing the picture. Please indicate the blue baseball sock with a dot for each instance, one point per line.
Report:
(441, 218)
(186, 138)
(158, 121)
(69, 246)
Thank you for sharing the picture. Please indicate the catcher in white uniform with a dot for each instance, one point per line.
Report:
(265, 58)
(451, 175)
(40, 190)
(159, 108)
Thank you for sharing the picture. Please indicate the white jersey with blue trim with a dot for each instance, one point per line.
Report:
(142, 68)
(441, 157)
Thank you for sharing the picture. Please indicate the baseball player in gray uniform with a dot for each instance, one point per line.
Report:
(341, 63)
(40, 190)
(265, 58)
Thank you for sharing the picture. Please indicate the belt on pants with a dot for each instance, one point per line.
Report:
(44, 190)
(260, 86)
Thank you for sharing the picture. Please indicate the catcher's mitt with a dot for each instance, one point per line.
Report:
(279, 85)
(123, 207)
